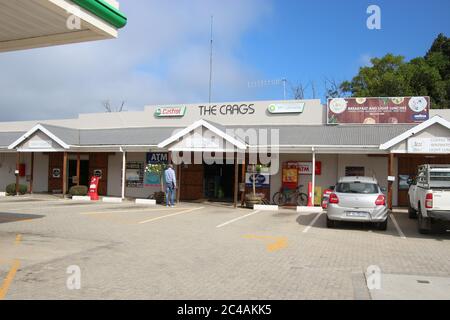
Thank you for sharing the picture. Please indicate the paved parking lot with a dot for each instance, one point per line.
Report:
(204, 251)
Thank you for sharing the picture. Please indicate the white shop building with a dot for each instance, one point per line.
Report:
(382, 137)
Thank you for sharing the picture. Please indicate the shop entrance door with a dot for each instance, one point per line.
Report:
(219, 182)
(191, 185)
(84, 173)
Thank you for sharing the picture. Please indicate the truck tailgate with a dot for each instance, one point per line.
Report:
(441, 200)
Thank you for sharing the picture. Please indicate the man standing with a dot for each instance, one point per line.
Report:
(171, 185)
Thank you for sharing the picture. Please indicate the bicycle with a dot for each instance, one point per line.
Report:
(291, 196)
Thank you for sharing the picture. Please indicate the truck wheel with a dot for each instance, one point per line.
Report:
(423, 224)
(382, 225)
(330, 223)
(411, 212)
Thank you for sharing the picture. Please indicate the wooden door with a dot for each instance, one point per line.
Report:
(407, 165)
(191, 185)
(55, 171)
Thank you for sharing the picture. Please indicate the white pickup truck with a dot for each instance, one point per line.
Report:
(429, 198)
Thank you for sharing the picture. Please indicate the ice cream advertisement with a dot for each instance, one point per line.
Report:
(401, 110)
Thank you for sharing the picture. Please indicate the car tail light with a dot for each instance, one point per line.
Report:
(429, 201)
(381, 200)
(333, 198)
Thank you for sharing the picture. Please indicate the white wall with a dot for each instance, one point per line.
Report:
(327, 178)
(40, 179)
(333, 167)
(115, 177)
(7, 167)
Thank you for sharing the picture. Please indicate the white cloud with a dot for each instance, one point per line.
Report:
(162, 56)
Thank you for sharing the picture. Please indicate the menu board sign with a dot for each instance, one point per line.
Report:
(378, 110)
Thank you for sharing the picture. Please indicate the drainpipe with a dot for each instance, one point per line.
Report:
(124, 164)
(313, 174)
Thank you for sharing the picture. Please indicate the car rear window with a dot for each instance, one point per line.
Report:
(357, 187)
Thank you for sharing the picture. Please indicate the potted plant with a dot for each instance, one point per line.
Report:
(253, 198)
(158, 170)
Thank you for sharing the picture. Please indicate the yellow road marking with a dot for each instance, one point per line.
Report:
(170, 215)
(280, 242)
(18, 239)
(12, 272)
(9, 278)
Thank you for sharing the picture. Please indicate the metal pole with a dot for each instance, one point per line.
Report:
(313, 175)
(124, 167)
(211, 61)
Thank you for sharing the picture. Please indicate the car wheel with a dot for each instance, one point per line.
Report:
(383, 225)
(330, 223)
(411, 212)
(421, 223)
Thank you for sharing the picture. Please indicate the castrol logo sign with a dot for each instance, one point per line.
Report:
(164, 112)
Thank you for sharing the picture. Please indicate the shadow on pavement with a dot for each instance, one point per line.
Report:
(15, 217)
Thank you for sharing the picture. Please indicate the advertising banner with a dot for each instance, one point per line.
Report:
(262, 180)
(290, 178)
(393, 110)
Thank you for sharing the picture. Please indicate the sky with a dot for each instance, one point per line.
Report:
(162, 55)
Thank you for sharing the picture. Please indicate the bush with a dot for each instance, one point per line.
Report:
(78, 191)
(11, 189)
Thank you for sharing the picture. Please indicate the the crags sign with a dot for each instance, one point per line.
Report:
(227, 109)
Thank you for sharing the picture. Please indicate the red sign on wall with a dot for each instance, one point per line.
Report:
(305, 167)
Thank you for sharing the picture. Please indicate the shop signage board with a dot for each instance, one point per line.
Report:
(392, 110)
(290, 178)
(157, 158)
(262, 180)
(429, 145)
(305, 167)
(281, 108)
(169, 112)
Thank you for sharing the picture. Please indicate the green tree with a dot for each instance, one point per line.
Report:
(391, 76)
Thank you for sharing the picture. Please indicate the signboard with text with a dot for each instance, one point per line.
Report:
(262, 180)
(392, 110)
(305, 167)
(429, 145)
(165, 112)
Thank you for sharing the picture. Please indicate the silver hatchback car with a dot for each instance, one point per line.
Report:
(358, 199)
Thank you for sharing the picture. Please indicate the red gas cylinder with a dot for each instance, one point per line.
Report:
(93, 188)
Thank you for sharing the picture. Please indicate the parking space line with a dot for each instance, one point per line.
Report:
(312, 223)
(171, 215)
(237, 219)
(397, 226)
(123, 211)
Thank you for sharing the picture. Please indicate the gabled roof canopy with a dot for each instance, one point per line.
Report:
(198, 124)
(33, 131)
(415, 130)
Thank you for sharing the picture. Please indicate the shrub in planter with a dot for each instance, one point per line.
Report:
(252, 199)
(78, 191)
(160, 197)
(11, 189)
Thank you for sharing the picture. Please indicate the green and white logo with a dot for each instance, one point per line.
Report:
(287, 108)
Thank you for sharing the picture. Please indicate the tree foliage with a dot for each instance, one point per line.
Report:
(392, 76)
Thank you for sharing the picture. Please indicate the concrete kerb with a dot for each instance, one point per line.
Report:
(81, 198)
(310, 210)
(149, 202)
(112, 199)
(260, 207)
